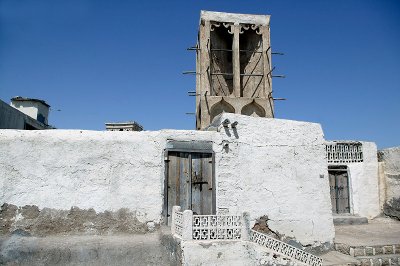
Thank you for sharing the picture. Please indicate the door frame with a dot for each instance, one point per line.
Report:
(346, 169)
(189, 150)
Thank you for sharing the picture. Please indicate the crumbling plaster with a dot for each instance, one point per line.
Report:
(276, 168)
(390, 176)
(271, 167)
(59, 169)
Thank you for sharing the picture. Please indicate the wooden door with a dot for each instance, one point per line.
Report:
(339, 188)
(202, 183)
(189, 182)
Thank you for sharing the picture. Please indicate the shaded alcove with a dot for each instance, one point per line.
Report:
(220, 107)
(253, 109)
(251, 62)
(221, 60)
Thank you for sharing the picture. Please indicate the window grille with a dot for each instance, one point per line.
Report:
(344, 152)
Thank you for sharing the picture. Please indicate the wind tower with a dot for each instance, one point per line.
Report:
(233, 66)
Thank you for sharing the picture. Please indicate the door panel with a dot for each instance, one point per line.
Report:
(202, 183)
(339, 189)
(332, 185)
(189, 182)
(343, 193)
(184, 181)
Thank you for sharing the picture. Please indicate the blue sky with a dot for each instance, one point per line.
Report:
(100, 61)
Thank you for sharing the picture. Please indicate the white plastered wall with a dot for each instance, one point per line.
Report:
(364, 183)
(102, 170)
(271, 167)
(276, 168)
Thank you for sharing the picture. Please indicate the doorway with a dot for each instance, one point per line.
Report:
(339, 189)
(189, 182)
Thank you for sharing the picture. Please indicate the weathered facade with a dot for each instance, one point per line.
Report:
(353, 178)
(233, 66)
(390, 181)
(124, 126)
(246, 189)
(24, 115)
(122, 176)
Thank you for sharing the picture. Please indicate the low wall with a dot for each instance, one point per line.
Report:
(390, 159)
(87, 181)
(85, 250)
(114, 181)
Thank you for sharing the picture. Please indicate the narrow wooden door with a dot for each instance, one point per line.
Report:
(189, 182)
(339, 188)
(202, 183)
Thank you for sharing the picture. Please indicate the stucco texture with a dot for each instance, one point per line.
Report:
(277, 168)
(105, 171)
(364, 183)
(270, 167)
(391, 176)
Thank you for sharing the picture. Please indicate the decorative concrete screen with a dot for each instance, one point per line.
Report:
(222, 227)
(206, 227)
(283, 248)
(189, 227)
(344, 152)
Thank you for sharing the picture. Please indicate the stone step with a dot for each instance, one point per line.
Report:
(380, 260)
(349, 220)
(362, 251)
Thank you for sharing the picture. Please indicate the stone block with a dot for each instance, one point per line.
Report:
(378, 250)
(365, 262)
(397, 249)
(388, 249)
(342, 248)
(385, 261)
(369, 251)
(358, 251)
(375, 261)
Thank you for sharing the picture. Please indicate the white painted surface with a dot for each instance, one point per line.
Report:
(364, 183)
(277, 168)
(235, 17)
(226, 253)
(272, 167)
(32, 109)
(88, 169)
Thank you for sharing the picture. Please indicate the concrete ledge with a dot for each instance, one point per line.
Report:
(84, 250)
(349, 220)
(337, 258)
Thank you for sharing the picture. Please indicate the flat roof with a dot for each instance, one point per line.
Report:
(24, 99)
(235, 17)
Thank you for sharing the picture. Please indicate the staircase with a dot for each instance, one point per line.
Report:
(374, 243)
(372, 255)
(211, 234)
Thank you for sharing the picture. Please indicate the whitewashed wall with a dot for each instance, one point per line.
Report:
(277, 168)
(102, 170)
(272, 167)
(364, 183)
